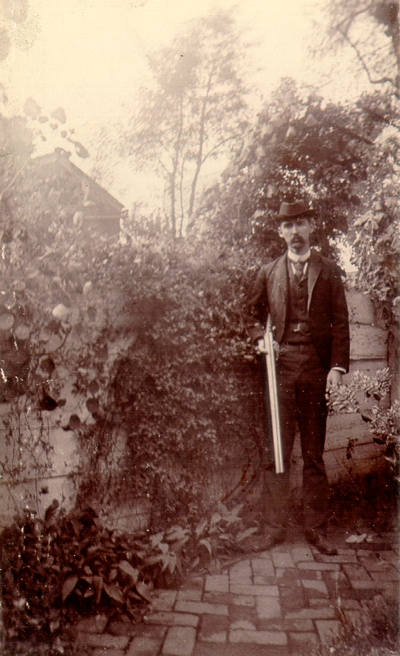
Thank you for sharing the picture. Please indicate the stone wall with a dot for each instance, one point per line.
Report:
(368, 353)
(370, 348)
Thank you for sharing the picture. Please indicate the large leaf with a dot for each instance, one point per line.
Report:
(127, 568)
(114, 591)
(68, 586)
(144, 591)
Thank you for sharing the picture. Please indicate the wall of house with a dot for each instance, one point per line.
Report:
(371, 347)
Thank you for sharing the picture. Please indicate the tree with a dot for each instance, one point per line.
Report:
(342, 158)
(193, 111)
(371, 29)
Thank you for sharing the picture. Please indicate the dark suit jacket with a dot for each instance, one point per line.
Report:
(327, 307)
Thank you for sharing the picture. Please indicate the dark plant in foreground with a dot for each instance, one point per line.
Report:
(63, 567)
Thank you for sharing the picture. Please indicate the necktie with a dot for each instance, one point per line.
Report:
(299, 268)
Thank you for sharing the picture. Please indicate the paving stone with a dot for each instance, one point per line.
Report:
(268, 608)
(371, 585)
(302, 640)
(214, 628)
(264, 580)
(144, 646)
(291, 600)
(213, 649)
(385, 575)
(101, 651)
(193, 582)
(286, 575)
(217, 583)
(123, 628)
(245, 613)
(280, 624)
(105, 640)
(189, 595)
(218, 598)
(327, 630)
(172, 619)
(243, 600)
(348, 557)
(262, 567)
(255, 590)
(180, 641)
(258, 637)
(282, 559)
(242, 569)
(314, 575)
(315, 586)
(243, 624)
(300, 554)
(164, 600)
(311, 614)
(321, 602)
(201, 608)
(95, 624)
(321, 567)
(356, 572)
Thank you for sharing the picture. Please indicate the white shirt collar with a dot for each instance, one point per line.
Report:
(299, 258)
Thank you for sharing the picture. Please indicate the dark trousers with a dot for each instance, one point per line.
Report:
(301, 395)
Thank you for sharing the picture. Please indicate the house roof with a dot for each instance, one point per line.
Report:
(92, 191)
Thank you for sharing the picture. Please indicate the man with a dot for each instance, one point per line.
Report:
(304, 294)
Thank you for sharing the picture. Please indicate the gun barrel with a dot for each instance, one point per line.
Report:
(273, 396)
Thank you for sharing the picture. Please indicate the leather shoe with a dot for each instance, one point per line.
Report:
(321, 543)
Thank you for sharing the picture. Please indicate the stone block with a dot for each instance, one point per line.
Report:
(214, 628)
(268, 608)
(201, 608)
(144, 646)
(303, 641)
(315, 587)
(172, 619)
(258, 637)
(164, 600)
(300, 554)
(217, 583)
(101, 651)
(368, 342)
(356, 572)
(246, 625)
(282, 559)
(244, 600)
(103, 640)
(240, 573)
(255, 590)
(189, 595)
(360, 307)
(180, 641)
(311, 614)
(262, 567)
(320, 567)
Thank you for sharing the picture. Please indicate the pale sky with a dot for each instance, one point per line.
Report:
(87, 56)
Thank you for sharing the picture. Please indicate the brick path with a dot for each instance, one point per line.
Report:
(282, 601)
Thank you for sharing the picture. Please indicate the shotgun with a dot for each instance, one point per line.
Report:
(273, 398)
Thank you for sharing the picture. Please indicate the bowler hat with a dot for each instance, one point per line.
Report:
(293, 210)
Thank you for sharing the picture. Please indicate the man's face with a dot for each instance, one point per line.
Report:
(296, 233)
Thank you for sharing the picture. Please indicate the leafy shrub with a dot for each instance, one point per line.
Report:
(63, 567)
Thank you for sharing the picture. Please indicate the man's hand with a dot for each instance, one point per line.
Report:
(261, 347)
(334, 379)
